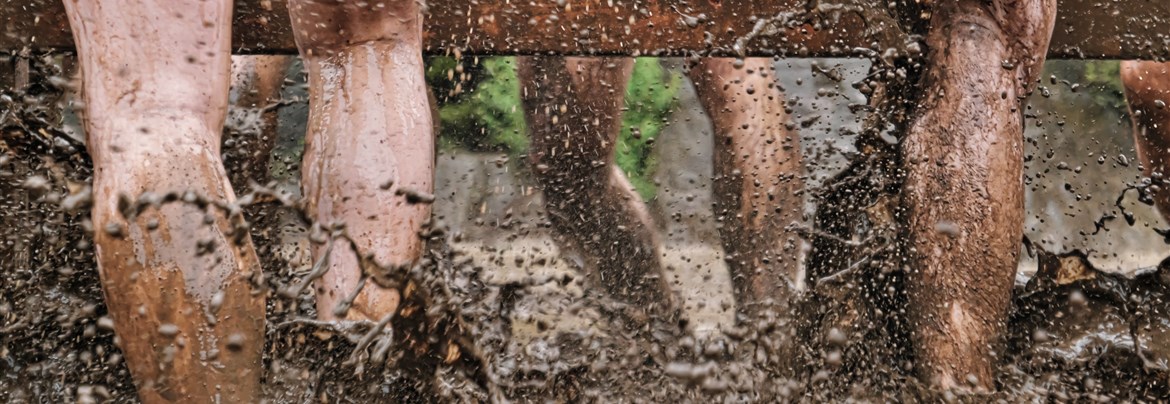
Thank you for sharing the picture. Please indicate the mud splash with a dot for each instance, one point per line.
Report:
(58, 344)
(464, 336)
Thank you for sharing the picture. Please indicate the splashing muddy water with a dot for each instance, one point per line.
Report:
(541, 332)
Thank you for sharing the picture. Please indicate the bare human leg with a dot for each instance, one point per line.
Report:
(573, 109)
(370, 135)
(964, 186)
(1147, 90)
(757, 177)
(177, 276)
(256, 84)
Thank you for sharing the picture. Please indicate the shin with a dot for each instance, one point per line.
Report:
(964, 190)
(370, 136)
(757, 177)
(176, 275)
(573, 109)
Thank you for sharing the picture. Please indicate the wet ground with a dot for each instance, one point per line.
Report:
(538, 332)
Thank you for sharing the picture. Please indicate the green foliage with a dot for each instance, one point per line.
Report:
(1103, 78)
(1103, 72)
(650, 97)
(437, 67)
(488, 116)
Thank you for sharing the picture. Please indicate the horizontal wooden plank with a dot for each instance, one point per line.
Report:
(1117, 29)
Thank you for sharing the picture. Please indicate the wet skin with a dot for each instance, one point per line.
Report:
(756, 165)
(370, 134)
(367, 129)
(154, 125)
(573, 108)
(964, 190)
(155, 85)
(1147, 90)
(758, 175)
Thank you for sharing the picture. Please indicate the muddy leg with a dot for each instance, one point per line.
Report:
(573, 107)
(757, 177)
(1147, 90)
(964, 190)
(256, 83)
(155, 77)
(370, 134)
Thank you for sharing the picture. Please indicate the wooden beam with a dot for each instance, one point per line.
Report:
(1115, 29)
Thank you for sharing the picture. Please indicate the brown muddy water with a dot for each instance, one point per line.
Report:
(539, 333)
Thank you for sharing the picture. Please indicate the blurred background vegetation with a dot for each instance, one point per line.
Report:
(1105, 77)
(479, 110)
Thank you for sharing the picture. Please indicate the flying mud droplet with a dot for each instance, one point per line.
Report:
(833, 358)
(115, 230)
(836, 337)
(690, 373)
(947, 227)
(1040, 336)
(235, 342)
(36, 183)
(168, 330)
(79, 200)
(414, 196)
(105, 323)
(216, 302)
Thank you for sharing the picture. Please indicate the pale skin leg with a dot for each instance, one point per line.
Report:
(1147, 84)
(369, 126)
(757, 177)
(573, 107)
(155, 83)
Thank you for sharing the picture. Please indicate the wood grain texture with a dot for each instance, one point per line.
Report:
(1093, 29)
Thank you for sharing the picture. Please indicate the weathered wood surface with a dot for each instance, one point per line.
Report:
(1114, 29)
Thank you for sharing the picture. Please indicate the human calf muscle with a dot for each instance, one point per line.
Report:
(370, 142)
